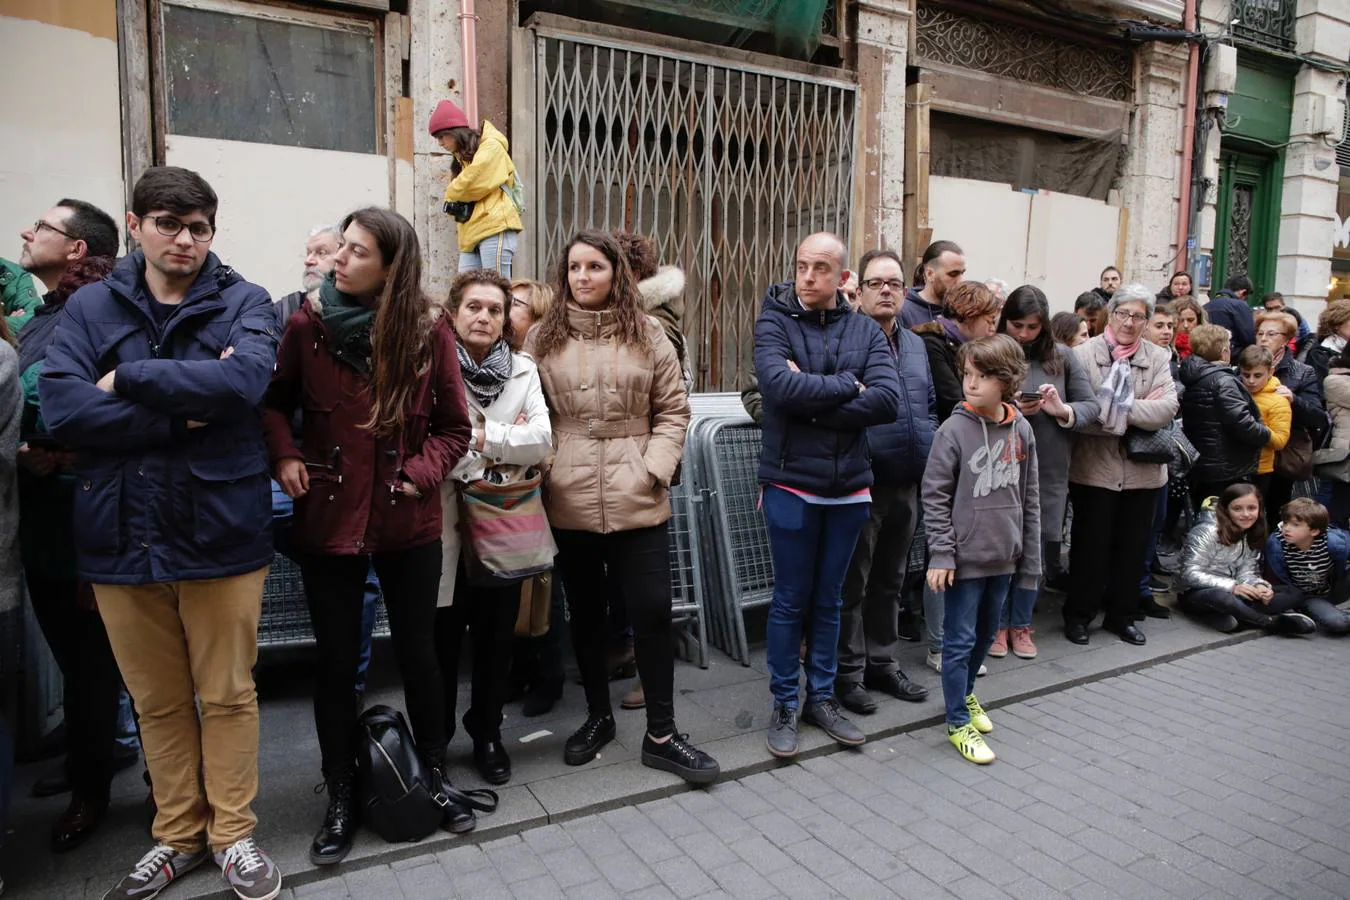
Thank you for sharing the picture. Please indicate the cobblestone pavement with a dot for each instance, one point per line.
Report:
(1221, 775)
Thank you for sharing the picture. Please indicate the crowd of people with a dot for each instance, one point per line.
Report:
(168, 428)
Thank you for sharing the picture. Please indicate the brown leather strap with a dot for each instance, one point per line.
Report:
(603, 429)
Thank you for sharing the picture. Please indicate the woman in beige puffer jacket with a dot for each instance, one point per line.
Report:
(619, 411)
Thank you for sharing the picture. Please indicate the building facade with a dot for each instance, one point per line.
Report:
(1048, 137)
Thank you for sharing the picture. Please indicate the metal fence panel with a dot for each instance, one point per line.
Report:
(726, 168)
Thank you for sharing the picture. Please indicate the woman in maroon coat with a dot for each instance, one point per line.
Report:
(374, 372)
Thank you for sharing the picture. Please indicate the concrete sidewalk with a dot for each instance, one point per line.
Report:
(724, 708)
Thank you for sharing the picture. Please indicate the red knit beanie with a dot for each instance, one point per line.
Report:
(446, 116)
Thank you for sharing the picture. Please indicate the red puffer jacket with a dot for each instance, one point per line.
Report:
(354, 505)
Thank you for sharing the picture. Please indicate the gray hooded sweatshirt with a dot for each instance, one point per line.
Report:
(981, 498)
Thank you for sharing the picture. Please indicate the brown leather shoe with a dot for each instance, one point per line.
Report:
(77, 823)
(636, 698)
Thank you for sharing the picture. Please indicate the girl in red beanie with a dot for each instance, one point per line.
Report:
(484, 197)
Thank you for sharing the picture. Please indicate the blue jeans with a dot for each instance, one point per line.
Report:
(1159, 522)
(494, 252)
(934, 607)
(973, 609)
(1021, 602)
(128, 738)
(811, 546)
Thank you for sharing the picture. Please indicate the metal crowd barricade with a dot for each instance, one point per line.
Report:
(727, 454)
(285, 615)
(686, 575)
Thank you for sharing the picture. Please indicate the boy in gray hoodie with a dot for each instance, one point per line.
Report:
(981, 507)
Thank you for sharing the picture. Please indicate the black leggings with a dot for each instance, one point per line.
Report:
(335, 587)
(1111, 530)
(79, 643)
(639, 562)
(1258, 615)
(489, 616)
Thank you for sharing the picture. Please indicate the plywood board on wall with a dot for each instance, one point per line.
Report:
(1057, 242)
(60, 122)
(271, 197)
(1070, 241)
(989, 221)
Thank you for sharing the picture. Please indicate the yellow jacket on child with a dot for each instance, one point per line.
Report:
(480, 183)
(1278, 416)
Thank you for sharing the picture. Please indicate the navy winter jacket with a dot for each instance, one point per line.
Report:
(156, 500)
(815, 420)
(917, 310)
(1338, 547)
(900, 448)
(1227, 310)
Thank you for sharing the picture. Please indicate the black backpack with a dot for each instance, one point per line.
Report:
(402, 798)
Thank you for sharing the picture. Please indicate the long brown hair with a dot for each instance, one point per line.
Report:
(466, 145)
(623, 299)
(6, 335)
(398, 340)
(1229, 532)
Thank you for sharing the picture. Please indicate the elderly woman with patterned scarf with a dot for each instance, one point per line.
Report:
(511, 436)
(1113, 495)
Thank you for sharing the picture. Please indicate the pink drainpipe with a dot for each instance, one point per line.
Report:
(468, 45)
(1187, 141)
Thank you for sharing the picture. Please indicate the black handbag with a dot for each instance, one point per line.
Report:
(1147, 446)
(402, 799)
(1184, 454)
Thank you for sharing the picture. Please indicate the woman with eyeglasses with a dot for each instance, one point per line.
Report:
(1115, 497)
(376, 372)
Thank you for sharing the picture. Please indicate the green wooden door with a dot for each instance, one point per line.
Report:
(1246, 235)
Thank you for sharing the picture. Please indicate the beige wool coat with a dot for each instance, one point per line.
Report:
(619, 419)
(1098, 459)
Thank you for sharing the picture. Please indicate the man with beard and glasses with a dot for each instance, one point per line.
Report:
(320, 253)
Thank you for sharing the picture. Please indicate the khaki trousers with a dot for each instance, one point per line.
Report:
(180, 644)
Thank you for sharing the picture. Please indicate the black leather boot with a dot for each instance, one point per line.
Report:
(458, 817)
(333, 841)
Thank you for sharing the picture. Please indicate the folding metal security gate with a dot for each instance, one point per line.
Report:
(725, 167)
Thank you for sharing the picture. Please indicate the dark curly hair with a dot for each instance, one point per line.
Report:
(641, 253)
(79, 273)
(490, 277)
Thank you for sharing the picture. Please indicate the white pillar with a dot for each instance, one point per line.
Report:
(883, 52)
(1311, 175)
(1151, 184)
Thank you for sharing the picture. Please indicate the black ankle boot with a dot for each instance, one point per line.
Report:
(333, 841)
(458, 817)
(541, 697)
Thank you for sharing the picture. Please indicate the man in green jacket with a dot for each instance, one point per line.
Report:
(19, 295)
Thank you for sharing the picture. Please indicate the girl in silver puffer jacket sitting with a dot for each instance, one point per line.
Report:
(1221, 568)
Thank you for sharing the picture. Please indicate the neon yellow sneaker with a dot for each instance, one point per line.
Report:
(971, 743)
(978, 717)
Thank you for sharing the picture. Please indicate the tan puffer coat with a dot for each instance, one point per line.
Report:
(619, 420)
(1098, 459)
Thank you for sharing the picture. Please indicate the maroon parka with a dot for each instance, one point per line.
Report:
(354, 505)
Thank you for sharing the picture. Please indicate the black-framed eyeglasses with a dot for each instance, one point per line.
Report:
(43, 223)
(874, 284)
(169, 226)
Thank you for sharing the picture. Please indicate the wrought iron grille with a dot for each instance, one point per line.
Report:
(725, 168)
(1269, 23)
(1240, 231)
(1024, 54)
